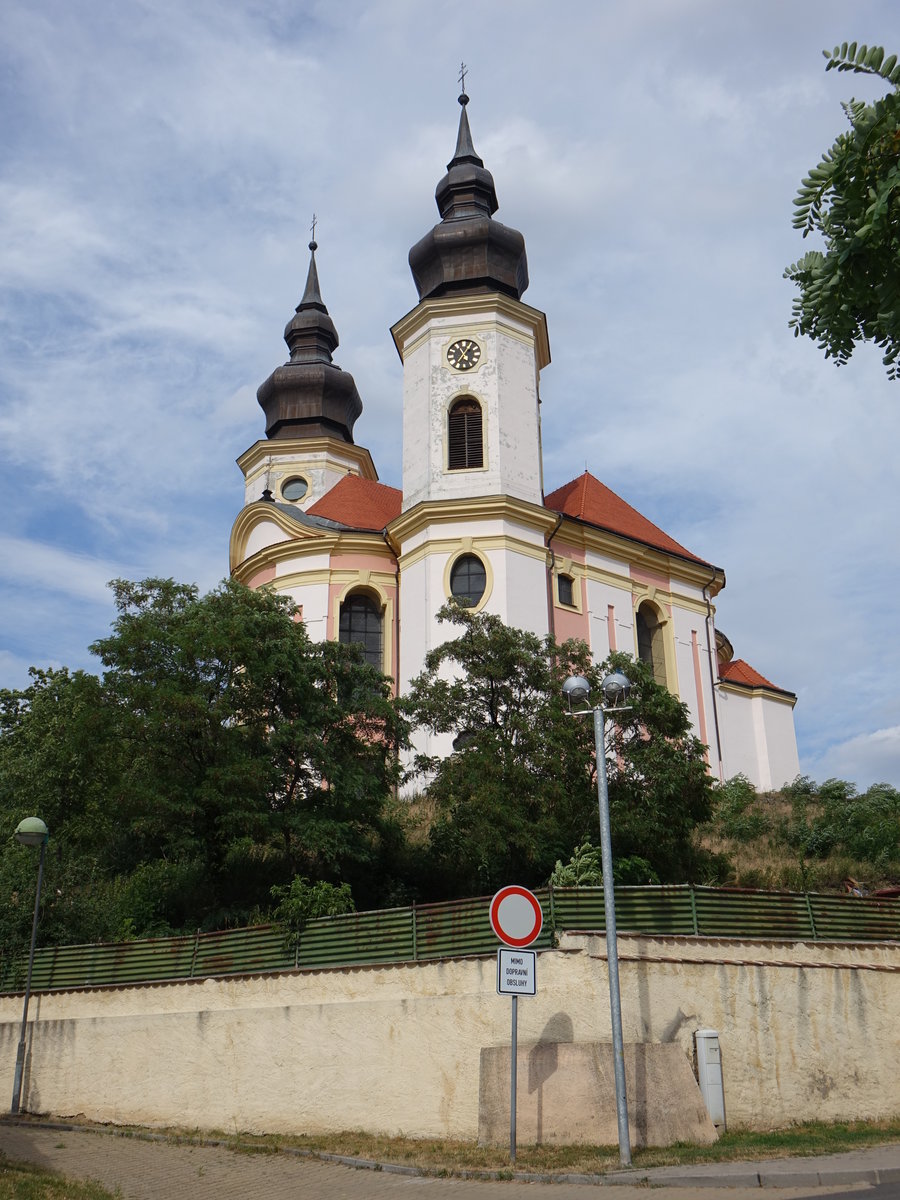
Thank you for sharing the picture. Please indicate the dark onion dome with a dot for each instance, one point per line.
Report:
(468, 251)
(310, 396)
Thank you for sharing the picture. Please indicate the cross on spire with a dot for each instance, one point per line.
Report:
(312, 228)
(463, 71)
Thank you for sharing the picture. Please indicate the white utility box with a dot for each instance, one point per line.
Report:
(708, 1058)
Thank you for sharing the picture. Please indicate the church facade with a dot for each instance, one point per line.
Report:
(372, 564)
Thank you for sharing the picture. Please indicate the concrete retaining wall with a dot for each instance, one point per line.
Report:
(807, 1031)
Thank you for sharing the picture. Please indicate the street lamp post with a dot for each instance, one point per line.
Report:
(615, 688)
(30, 832)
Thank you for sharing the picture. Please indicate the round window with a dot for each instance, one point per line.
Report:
(468, 578)
(294, 488)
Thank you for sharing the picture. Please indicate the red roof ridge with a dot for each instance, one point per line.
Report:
(359, 503)
(740, 672)
(587, 499)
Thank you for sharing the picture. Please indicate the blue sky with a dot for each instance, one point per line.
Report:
(159, 164)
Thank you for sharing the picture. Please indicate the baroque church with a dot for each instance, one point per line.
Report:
(368, 563)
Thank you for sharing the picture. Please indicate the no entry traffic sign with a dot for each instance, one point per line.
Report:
(516, 916)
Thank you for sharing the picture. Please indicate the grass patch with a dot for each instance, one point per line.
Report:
(448, 1158)
(23, 1181)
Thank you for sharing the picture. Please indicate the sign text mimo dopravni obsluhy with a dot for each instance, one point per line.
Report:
(516, 972)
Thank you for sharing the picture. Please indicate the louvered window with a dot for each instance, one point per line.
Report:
(565, 590)
(361, 624)
(464, 436)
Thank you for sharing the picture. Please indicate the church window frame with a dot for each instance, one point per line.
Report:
(364, 625)
(565, 590)
(453, 568)
(650, 639)
(294, 489)
(465, 434)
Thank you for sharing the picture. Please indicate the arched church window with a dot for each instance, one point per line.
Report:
(361, 624)
(565, 589)
(465, 442)
(468, 579)
(650, 644)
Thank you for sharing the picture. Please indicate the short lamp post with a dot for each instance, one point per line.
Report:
(30, 832)
(615, 688)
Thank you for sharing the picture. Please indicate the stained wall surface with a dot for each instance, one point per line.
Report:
(807, 1031)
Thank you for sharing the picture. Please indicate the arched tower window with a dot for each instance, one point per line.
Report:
(361, 624)
(468, 579)
(465, 441)
(650, 645)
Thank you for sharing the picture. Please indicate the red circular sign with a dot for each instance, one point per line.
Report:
(516, 916)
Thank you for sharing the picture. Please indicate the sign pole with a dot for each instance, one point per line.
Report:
(517, 919)
(513, 1064)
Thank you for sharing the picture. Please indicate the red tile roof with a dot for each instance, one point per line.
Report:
(593, 502)
(740, 672)
(359, 503)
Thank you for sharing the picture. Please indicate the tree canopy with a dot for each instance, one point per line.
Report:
(222, 753)
(850, 293)
(520, 792)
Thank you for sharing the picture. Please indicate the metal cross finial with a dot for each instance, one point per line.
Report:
(463, 70)
(313, 227)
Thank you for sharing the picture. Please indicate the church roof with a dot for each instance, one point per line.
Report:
(740, 672)
(310, 396)
(589, 500)
(359, 503)
(468, 251)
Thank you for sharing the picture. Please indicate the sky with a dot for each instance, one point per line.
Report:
(159, 166)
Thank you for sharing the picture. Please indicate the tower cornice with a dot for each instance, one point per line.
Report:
(468, 308)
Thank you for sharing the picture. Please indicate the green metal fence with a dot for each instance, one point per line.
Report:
(457, 928)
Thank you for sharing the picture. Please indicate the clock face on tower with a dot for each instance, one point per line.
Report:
(463, 354)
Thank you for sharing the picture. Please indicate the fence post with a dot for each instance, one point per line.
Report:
(194, 955)
(415, 947)
(694, 910)
(812, 919)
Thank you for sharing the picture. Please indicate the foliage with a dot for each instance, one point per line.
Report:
(851, 292)
(808, 836)
(300, 902)
(520, 793)
(221, 754)
(585, 869)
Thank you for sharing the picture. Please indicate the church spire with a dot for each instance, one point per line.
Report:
(310, 396)
(468, 251)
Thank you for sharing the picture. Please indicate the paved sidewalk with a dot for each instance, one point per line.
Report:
(151, 1169)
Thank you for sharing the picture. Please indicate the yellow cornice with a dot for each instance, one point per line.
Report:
(469, 308)
(321, 447)
(302, 540)
(747, 690)
(431, 512)
(602, 541)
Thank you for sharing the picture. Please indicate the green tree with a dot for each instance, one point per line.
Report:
(222, 753)
(851, 292)
(520, 792)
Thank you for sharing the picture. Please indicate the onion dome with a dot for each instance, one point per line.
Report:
(468, 251)
(310, 396)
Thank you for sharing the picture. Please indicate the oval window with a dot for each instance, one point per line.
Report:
(294, 488)
(468, 579)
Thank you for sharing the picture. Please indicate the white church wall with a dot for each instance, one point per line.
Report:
(263, 535)
(758, 738)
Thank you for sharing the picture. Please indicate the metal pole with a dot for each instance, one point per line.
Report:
(20, 1053)
(512, 1078)
(612, 953)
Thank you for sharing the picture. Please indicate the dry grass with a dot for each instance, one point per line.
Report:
(448, 1158)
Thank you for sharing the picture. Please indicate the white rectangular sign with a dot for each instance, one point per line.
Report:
(516, 972)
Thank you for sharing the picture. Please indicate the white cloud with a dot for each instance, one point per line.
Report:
(158, 169)
(867, 758)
